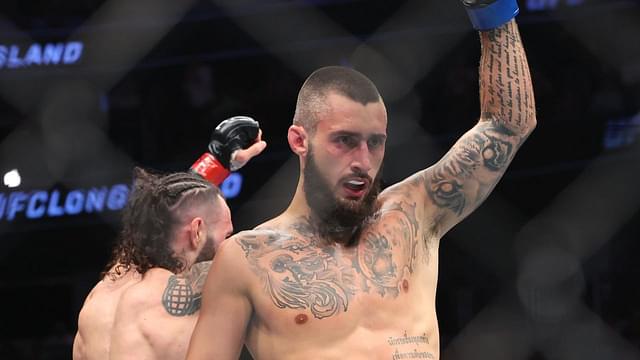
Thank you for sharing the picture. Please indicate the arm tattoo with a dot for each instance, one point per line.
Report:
(506, 93)
(299, 271)
(490, 146)
(183, 294)
(469, 171)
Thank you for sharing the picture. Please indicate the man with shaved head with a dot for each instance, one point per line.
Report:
(347, 271)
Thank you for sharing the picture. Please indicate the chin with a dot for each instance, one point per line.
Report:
(352, 201)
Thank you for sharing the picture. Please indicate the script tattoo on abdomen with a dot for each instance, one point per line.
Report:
(299, 271)
(412, 342)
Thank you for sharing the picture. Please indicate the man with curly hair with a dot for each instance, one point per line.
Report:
(146, 305)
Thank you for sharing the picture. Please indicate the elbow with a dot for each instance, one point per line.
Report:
(531, 125)
(527, 122)
(533, 122)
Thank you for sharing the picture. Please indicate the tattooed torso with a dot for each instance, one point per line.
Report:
(376, 299)
(383, 285)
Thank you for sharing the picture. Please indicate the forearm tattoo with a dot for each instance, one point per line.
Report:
(506, 92)
(183, 294)
(298, 271)
(470, 170)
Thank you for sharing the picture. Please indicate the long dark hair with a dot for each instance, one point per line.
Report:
(149, 219)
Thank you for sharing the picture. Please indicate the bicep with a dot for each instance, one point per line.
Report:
(225, 312)
(458, 183)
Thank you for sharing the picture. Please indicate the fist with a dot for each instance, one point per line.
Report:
(236, 140)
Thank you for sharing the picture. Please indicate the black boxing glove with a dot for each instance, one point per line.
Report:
(238, 132)
(490, 14)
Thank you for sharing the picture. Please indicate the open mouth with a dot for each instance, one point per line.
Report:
(355, 187)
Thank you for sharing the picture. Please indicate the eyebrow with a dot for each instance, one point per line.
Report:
(351, 133)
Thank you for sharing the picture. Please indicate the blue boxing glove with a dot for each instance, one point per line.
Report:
(490, 14)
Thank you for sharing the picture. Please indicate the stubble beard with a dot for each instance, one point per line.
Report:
(208, 250)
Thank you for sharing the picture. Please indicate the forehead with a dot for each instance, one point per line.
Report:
(225, 212)
(343, 113)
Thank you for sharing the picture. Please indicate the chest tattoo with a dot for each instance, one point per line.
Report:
(299, 271)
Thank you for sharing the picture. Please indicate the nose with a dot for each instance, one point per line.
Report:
(361, 158)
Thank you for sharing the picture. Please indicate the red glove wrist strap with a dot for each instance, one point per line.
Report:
(210, 168)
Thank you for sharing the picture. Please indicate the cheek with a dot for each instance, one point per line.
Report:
(333, 167)
(376, 161)
(218, 238)
(325, 156)
(379, 154)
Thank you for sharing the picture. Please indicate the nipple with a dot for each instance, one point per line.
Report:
(301, 319)
(405, 285)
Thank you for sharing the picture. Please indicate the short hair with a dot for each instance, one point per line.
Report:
(150, 217)
(345, 81)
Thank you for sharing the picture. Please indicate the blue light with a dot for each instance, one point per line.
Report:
(16, 204)
(54, 203)
(37, 207)
(231, 186)
(117, 197)
(14, 56)
(542, 5)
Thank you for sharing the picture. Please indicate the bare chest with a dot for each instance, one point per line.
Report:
(301, 281)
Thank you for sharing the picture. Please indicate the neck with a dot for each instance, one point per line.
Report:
(298, 207)
(299, 210)
(179, 252)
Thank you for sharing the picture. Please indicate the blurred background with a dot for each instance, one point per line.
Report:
(545, 269)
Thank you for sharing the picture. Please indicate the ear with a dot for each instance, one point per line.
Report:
(298, 140)
(196, 232)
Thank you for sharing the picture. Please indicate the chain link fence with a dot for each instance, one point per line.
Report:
(543, 270)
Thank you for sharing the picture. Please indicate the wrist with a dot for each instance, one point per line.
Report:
(487, 16)
(210, 168)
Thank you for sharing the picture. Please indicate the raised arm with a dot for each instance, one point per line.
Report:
(458, 183)
(226, 308)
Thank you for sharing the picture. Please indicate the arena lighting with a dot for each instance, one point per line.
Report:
(38, 204)
(56, 203)
(232, 186)
(540, 5)
(12, 178)
(14, 56)
(622, 132)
